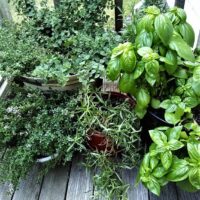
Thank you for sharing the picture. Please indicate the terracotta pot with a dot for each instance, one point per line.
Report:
(98, 141)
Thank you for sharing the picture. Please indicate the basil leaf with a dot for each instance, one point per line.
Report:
(163, 28)
(143, 97)
(138, 70)
(194, 150)
(128, 61)
(181, 47)
(187, 33)
(144, 39)
(140, 111)
(178, 171)
(158, 137)
(172, 57)
(181, 14)
(196, 87)
(166, 159)
(146, 23)
(194, 177)
(165, 104)
(196, 74)
(181, 73)
(172, 118)
(153, 162)
(154, 186)
(152, 68)
(192, 101)
(144, 50)
(174, 133)
(113, 69)
(146, 161)
(175, 144)
(150, 79)
(159, 171)
(127, 83)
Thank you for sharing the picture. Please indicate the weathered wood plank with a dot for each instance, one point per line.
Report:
(29, 189)
(55, 184)
(168, 193)
(80, 185)
(134, 193)
(4, 88)
(183, 195)
(5, 189)
(5, 10)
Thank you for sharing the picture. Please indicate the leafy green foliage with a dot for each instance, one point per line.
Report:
(165, 163)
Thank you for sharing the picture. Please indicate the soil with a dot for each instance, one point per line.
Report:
(196, 112)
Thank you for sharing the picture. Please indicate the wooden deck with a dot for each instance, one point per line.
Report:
(73, 182)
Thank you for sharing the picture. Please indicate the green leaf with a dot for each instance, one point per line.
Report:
(146, 23)
(175, 145)
(174, 133)
(194, 150)
(178, 171)
(152, 68)
(146, 161)
(196, 87)
(196, 74)
(166, 159)
(158, 137)
(181, 73)
(181, 14)
(159, 171)
(150, 79)
(144, 39)
(194, 177)
(154, 186)
(128, 61)
(171, 108)
(144, 50)
(113, 69)
(172, 118)
(163, 28)
(140, 111)
(154, 10)
(153, 162)
(172, 57)
(192, 101)
(138, 70)
(187, 33)
(165, 104)
(143, 97)
(127, 83)
(155, 103)
(181, 47)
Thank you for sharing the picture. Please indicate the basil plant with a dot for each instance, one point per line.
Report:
(165, 161)
(158, 62)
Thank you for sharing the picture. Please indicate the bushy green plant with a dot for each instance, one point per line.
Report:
(153, 65)
(117, 121)
(34, 125)
(164, 163)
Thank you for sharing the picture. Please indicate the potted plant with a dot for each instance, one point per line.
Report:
(113, 136)
(160, 69)
(37, 128)
(67, 58)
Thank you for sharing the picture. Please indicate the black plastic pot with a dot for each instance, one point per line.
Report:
(154, 118)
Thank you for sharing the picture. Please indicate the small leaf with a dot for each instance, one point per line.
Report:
(138, 70)
(172, 118)
(154, 187)
(166, 159)
(174, 133)
(158, 137)
(153, 162)
(165, 104)
(159, 171)
(194, 150)
(143, 97)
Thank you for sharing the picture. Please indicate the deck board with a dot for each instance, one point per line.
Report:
(55, 184)
(29, 188)
(80, 185)
(182, 195)
(169, 192)
(134, 193)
